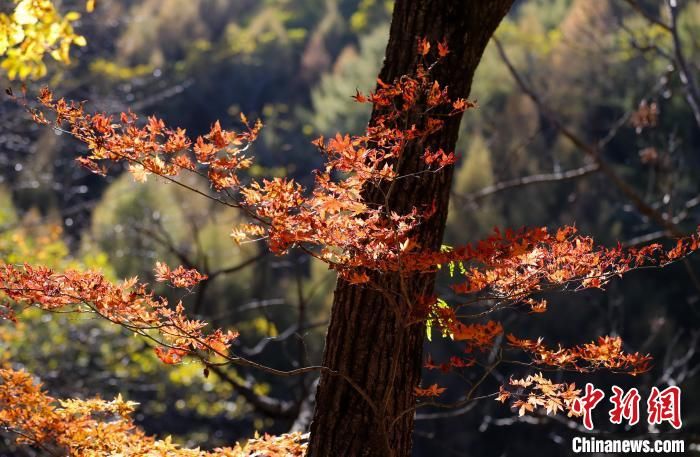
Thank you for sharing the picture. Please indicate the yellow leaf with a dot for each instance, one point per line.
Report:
(72, 16)
(25, 13)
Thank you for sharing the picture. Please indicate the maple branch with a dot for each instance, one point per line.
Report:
(271, 407)
(236, 360)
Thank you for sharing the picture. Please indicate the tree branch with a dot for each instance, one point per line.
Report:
(523, 181)
(593, 151)
(692, 93)
(654, 20)
(267, 405)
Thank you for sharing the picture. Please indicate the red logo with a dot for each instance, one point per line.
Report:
(587, 403)
(665, 406)
(626, 406)
(662, 406)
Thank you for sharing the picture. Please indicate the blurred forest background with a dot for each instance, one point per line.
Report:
(592, 72)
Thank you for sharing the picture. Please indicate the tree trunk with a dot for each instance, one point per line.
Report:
(366, 341)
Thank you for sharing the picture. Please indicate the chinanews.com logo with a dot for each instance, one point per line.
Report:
(662, 407)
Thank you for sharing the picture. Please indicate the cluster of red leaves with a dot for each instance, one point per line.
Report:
(510, 266)
(180, 277)
(152, 148)
(646, 116)
(95, 428)
(129, 304)
(332, 217)
(507, 268)
(424, 47)
(605, 353)
(431, 391)
(536, 391)
(352, 236)
(453, 363)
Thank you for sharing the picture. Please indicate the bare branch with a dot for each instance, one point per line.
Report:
(237, 267)
(593, 151)
(541, 178)
(692, 93)
(664, 220)
(267, 405)
(654, 20)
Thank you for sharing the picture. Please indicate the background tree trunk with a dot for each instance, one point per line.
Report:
(366, 341)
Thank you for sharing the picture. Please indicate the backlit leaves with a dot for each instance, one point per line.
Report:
(180, 277)
(432, 391)
(536, 392)
(35, 28)
(95, 427)
(129, 304)
(605, 353)
(330, 218)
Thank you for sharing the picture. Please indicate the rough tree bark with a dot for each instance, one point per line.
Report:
(367, 341)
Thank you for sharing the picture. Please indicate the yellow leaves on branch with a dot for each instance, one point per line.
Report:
(95, 427)
(36, 28)
(247, 232)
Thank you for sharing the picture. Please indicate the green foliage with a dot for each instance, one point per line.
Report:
(333, 109)
(474, 173)
(369, 13)
(117, 72)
